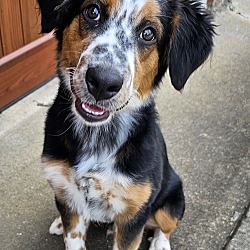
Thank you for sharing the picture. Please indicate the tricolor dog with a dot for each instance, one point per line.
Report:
(104, 154)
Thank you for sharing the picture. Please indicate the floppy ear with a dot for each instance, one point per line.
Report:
(49, 14)
(191, 41)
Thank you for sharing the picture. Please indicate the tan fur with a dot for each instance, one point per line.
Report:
(147, 60)
(112, 5)
(76, 235)
(75, 40)
(175, 20)
(136, 196)
(165, 221)
(74, 220)
(146, 70)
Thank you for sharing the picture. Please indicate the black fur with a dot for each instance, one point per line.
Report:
(191, 42)
(49, 15)
(188, 45)
(143, 156)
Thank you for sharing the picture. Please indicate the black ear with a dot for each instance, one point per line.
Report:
(49, 14)
(191, 41)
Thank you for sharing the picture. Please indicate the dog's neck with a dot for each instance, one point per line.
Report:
(107, 137)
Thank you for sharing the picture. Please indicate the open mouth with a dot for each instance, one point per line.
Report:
(90, 112)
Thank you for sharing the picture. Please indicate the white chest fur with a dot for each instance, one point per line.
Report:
(102, 187)
(92, 188)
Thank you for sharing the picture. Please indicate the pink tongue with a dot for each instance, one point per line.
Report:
(94, 108)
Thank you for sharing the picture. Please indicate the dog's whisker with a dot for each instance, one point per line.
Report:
(62, 132)
(66, 99)
(65, 109)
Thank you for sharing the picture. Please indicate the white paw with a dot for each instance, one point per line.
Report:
(74, 241)
(56, 227)
(159, 241)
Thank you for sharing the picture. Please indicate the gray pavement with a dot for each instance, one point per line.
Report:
(207, 130)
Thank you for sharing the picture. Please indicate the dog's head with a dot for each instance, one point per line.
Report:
(113, 53)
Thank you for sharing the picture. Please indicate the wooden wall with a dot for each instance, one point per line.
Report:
(27, 58)
(19, 24)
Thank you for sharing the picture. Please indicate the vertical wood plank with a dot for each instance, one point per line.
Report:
(11, 26)
(30, 20)
(1, 46)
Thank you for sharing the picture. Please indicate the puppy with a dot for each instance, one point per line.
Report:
(104, 154)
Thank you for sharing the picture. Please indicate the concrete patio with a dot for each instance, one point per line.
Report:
(207, 130)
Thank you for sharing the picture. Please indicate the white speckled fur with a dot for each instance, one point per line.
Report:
(56, 227)
(74, 187)
(75, 243)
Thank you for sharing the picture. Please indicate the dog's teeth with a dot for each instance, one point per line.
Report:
(96, 113)
(91, 111)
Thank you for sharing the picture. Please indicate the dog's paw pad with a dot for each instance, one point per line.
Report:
(56, 227)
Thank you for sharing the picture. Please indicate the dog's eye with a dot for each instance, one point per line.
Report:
(92, 14)
(148, 35)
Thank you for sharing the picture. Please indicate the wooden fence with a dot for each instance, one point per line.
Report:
(27, 58)
(19, 24)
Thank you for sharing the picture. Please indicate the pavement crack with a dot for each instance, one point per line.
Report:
(236, 226)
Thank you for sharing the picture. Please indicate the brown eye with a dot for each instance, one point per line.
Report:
(92, 14)
(148, 35)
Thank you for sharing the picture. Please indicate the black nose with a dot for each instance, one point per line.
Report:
(103, 83)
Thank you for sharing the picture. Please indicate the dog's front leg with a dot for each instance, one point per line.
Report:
(128, 236)
(69, 201)
(74, 228)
